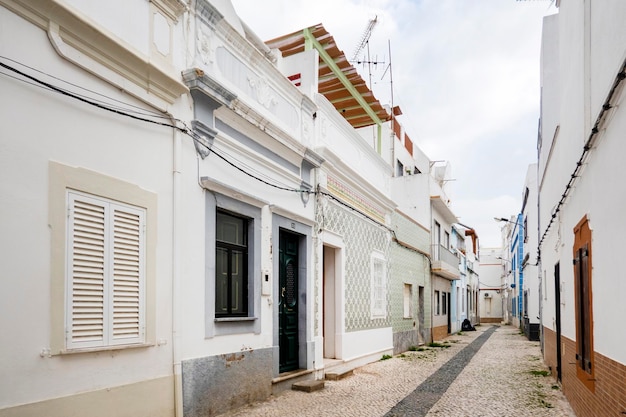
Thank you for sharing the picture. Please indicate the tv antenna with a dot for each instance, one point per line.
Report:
(364, 38)
(363, 43)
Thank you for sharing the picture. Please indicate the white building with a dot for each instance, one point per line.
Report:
(192, 220)
(444, 260)
(492, 285)
(89, 216)
(529, 261)
(581, 201)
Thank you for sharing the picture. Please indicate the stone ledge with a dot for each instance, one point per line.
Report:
(308, 386)
(337, 375)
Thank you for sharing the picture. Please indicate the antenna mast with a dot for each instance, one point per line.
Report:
(362, 44)
(364, 38)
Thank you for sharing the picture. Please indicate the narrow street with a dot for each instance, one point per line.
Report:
(493, 371)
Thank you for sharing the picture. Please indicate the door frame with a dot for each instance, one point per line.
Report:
(557, 316)
(333, 310)
(305, 287)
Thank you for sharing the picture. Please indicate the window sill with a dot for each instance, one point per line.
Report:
(233, 319)
(104, 348)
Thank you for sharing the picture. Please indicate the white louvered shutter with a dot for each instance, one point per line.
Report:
(127, 272)
(105, 297)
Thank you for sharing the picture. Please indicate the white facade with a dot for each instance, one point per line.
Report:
(192, 129)
(444, 260)
(580, 154)
(492, 285)
(529, 261)
(55, 146)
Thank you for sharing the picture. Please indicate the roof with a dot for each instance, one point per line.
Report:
(338, 81)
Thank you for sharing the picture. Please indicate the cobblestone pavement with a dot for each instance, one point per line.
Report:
(504, 377)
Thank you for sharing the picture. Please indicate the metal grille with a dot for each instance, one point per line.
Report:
(290, 295)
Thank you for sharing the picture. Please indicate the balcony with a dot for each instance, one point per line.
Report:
(444, 263)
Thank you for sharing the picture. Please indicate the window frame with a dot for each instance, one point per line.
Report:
(82, 260)
(231, 247)
(250, 209)
(407, 295)
(437, 303)
(62, 178)
(378, 287)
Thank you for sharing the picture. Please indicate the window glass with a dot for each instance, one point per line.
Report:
(231, 272)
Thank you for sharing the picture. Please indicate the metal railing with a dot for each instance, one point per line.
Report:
(441, 253)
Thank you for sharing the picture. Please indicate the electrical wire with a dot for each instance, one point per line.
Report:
(606, 107)
(138, 110)
(32, 80)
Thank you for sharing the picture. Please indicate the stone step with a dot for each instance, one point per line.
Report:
(337, 374)
(308, 386)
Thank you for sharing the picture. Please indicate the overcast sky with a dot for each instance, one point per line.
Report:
(465, 73)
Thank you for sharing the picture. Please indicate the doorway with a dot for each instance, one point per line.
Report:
(421, 337)
(288, 302)
(330, 278)
(449, 311)
(557, 308)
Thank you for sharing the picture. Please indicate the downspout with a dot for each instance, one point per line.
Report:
(176, 192)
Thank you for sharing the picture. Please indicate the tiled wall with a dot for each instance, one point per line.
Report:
(361, 237)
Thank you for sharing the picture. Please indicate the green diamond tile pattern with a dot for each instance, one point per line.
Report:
(409, 267)
(361, 238)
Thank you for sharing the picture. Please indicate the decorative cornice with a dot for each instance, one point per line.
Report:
(171, 8)
(204, 137)
(93, 48)
(196, 79)
(208, 14)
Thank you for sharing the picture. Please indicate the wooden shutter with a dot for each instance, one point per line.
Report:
(127, 272)
(106, 279)
(87, 272)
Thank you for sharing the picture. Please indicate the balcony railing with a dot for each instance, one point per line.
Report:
(441, 253)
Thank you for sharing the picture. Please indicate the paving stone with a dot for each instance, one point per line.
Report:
(497, 381)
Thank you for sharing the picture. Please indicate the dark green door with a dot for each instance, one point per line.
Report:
(288, 302)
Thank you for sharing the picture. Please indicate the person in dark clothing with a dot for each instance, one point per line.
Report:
(467, 326)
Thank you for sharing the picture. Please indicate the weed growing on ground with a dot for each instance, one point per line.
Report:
(439, 345)
(402, 355)
(539, 397)
(536, 372)
(460, 333)
(385, 357)
(555, 387)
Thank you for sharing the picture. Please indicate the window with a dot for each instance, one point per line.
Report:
(437, 310)
(399, 168)
(525, 229)
(408, 297)
(105, 279)
(463, 297)
(231, 266)
(583, 303)
(379, 286)
(444, 304)
(446, 240)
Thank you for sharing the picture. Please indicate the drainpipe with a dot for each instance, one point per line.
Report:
(176, 192)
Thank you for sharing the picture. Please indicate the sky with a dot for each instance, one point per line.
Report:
(465, 74)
